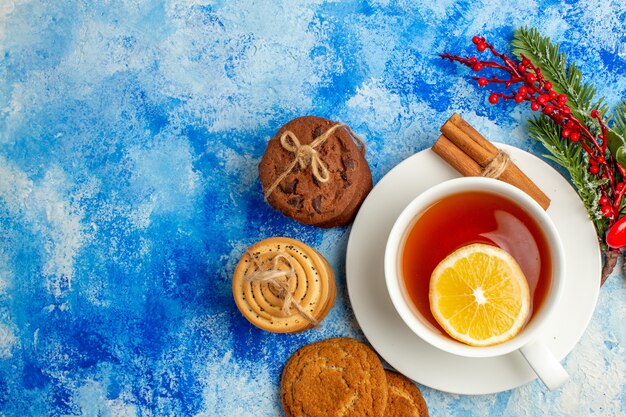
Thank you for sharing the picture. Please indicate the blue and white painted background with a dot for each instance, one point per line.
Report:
(130, 132)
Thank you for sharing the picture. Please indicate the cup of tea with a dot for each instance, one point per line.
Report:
(466, 211)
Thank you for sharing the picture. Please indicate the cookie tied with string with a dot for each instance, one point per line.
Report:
(314, 171)
(282, 285)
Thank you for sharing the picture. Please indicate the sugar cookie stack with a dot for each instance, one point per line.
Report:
(282, 285)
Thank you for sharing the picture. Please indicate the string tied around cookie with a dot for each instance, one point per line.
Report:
(497, 165)
(272, 277)
(307, 155)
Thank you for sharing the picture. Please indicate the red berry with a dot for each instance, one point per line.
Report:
(472, 60)
(531, 78)
(594, 169)
(542, 99)
(548, 109)
(521, 68)
(547, 85)
(620, 186)
(562, 99)
(570, 123)
(481, 46)
(553, 94)
(534, 106)
(519, 98)
(565, 133)
(476, 40)
(604, 200)
(607, 211)
(522, 91)
(493, 98)
(601, 160)
(482, 81)
(594, 113)
(566, 110)
(574, 137)
(477, 66)
(525, 61)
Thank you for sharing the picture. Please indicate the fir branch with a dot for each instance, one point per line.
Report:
(565, 78)
(572, 158)
(581, 96)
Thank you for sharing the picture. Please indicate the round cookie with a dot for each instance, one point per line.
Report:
(301, 196)
(311, 282)
(404, 398)
(334, 377)
(350, 212)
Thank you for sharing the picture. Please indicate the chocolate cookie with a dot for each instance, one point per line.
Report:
(404, 398)
(334, 377)
(282, 285)
(314, 171)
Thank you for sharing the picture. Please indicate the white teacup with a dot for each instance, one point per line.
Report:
(528, 342)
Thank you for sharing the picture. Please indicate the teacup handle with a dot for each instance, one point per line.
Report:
(545, 365)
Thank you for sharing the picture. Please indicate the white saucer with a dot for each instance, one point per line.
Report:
(404, 350)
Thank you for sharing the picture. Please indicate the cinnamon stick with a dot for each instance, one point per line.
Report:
(462, 143)
(456, 157)
(458, 121)
(461, 139)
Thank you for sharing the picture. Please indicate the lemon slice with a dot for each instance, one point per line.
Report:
(479, 295)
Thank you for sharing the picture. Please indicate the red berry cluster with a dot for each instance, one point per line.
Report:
(525, 82)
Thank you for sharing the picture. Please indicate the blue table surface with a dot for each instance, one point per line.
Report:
(130, 133)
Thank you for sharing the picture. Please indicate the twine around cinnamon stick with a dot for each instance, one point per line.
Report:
(497, 165)
(272, 277)
(305, 155)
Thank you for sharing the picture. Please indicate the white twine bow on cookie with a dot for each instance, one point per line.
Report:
(497, 165)
(272, 277)
(305, 155)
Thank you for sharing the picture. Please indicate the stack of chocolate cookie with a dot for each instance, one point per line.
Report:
(343, 377)
(314, 171)
(282, 285)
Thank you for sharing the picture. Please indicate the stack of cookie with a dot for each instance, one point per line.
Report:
(343, 377)
(314, 171)
(282, 285)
